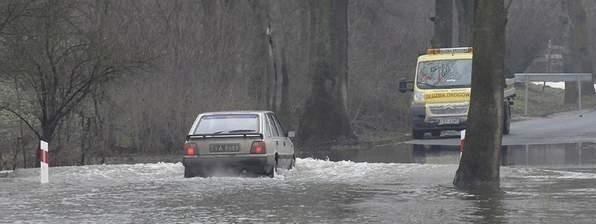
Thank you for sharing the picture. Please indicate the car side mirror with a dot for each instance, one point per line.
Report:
(405, 85)
(291, 134)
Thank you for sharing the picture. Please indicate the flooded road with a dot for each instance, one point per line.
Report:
(317, 191)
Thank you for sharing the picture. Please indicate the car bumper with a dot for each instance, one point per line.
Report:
(420, 122)
(208, 165)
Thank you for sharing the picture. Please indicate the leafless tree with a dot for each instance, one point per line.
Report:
(465, 21)
(579, 56)
(443, 24)
(325, 117)
(530, 25)
(59, 56)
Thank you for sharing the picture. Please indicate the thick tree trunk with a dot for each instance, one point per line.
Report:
(20, 141)
(325, 118)
(274, 76)
(85, 138)
(279, 86)
(443, 21)
(465, 21)
(479, 165)
(283, 109)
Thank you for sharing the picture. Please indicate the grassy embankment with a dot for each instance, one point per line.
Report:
(544, 102)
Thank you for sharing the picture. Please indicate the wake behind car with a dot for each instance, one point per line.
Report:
(237, 141)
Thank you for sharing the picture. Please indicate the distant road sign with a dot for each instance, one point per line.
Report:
(554, 56)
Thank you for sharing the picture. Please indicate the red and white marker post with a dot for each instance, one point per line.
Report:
(462, 138)
(44, 157)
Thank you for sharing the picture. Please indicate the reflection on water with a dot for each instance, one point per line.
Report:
(578, 154)
(488, 208)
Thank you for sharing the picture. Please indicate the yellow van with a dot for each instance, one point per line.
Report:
(441, 90)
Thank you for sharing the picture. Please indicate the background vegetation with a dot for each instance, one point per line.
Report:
(108, 78)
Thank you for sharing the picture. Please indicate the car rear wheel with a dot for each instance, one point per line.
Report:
(188, 172)
(271, 172)
(293, 163)
(273, 169)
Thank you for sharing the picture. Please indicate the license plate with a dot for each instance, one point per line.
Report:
(448, 121)
(224, 148)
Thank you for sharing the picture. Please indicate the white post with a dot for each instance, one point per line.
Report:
(462, 137)
(527, 155)
(44, 159)
(579, 150)
(579, 93)
(526, 98)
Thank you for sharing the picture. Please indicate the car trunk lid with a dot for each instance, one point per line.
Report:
(224, 144)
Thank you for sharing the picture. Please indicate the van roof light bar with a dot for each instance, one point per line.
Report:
(449, 50)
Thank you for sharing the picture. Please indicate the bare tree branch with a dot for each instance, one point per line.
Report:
(22, 118)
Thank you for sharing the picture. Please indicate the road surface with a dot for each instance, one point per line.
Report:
(568, 127)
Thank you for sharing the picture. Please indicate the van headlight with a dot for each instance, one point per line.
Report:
(418, 96)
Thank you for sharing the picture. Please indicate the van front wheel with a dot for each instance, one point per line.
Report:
(506, 118)
(417, 134)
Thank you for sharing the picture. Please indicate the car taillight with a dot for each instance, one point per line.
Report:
(190, 149)
(258, 147)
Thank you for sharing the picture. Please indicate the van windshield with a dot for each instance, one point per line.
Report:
(228, 124)
(444, 74)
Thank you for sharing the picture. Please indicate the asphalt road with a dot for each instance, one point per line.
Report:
(568, 127)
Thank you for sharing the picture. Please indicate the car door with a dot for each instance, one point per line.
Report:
(285, 147)
(273, 136)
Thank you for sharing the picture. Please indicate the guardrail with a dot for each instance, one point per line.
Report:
(553, 77)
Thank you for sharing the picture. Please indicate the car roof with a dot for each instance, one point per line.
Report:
(237, 112)
(435, 57)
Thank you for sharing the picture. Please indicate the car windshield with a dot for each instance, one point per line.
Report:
(228, 123)
(444, 74)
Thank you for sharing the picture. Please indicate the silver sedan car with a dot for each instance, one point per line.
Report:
(252, 142)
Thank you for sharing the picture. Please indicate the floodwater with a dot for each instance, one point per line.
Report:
(539, 185)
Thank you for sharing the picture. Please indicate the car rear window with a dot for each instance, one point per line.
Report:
(228, 124)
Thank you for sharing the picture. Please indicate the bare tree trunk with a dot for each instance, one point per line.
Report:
(20, 143)
(325, 118)
(284, 105)
(443, 24)
(85, 138)
(47, 134)
(465, 21)
(274, 76)
(102, 138)
(279, 99)
(479, 165)
(16, 153)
